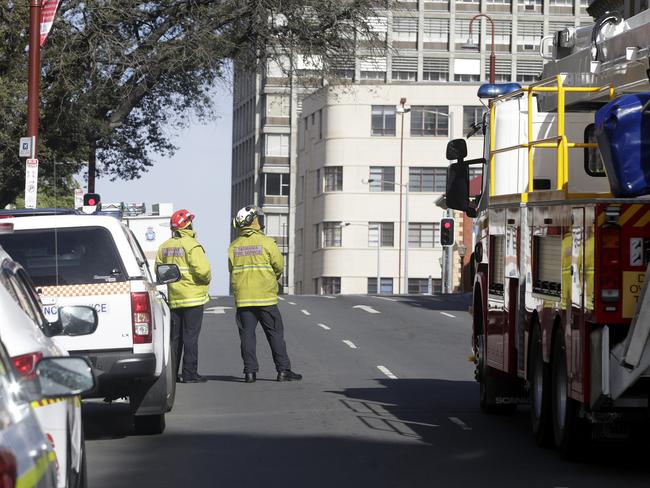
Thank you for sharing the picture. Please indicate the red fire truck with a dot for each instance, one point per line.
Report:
(561, 317)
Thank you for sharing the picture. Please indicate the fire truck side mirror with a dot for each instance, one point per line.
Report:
(457, 196)
(456, 150)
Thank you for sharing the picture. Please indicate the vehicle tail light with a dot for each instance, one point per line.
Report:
(7, 469)
(610, 266)
(141, 313)
(25, 364)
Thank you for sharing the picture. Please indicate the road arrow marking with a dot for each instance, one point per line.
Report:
(324, 326)
(291, 303)
(280, 298)
(387, 372)
(366, 308)
(216, 310)
(305, 312)
(448, 315)
(459, 423)
(349, 343)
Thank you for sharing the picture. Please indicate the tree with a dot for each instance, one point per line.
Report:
(118, 76)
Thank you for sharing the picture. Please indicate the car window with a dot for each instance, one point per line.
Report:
(139, 253)
(19, 293)
(66, 256)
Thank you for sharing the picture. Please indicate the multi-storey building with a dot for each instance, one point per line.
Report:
(426, 45)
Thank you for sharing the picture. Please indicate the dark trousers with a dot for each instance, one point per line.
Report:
(271, 320)
(186, 326)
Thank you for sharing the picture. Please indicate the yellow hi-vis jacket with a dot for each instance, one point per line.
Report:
(255, 265)
(185, 251)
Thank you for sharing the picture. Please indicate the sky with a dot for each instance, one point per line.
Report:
(197, 178)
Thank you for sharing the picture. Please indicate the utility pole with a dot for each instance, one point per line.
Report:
(448, 251)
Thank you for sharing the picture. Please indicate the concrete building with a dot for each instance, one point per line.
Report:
(348, 203)
(424, 46)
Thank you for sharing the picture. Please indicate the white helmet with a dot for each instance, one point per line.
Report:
(246, 216)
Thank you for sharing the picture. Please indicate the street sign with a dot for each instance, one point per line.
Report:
(26, 147)
(78, 198)
(31, 182)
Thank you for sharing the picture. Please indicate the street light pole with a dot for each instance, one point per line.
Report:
(34, 80)
(406, 238)
(402, 103)
(492, 55)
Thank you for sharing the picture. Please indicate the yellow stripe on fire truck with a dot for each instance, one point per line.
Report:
(51, 401)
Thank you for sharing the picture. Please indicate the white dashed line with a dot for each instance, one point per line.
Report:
(305, 312)
(460, 423)
(387, 372)
(323, 326)
(350, 343)
(448, 315)
(291, 303)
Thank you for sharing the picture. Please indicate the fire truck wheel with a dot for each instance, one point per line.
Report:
(489, 387)
(569, 430)
(539, 382)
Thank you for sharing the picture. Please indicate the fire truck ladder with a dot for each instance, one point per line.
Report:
(630, 359)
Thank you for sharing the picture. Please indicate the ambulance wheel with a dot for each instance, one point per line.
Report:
(149, 424)
(539, 382)
(569, 431)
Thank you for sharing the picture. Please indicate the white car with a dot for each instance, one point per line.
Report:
(26, 454)
(26, 334)
(95, 260)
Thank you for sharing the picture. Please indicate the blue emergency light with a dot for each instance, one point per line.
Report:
(494, 90)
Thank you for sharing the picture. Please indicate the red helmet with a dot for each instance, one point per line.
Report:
(180, 219)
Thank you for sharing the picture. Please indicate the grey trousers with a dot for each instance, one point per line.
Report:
(271, 320)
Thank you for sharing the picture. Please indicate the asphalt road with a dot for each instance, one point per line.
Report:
(387, 400)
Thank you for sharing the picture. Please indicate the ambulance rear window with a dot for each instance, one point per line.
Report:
(66, 256)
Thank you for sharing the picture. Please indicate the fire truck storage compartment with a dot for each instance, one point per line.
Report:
(547, 277)
(623, 135)
(497, 264)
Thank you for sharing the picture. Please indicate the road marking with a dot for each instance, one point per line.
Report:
(366, 308)
(448, 315)
(459, 423)
(305, 312)
(291, 303)
(280, 298)
(387, 372)
(349, 343)
(324, 326)
(216, 310)
(329, 296)
(385, 298)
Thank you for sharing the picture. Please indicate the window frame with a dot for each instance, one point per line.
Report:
(388, 112)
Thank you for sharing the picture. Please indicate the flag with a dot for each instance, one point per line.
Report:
(48, 12)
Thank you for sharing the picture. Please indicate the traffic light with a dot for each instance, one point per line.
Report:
(91, 200)
(447, 232)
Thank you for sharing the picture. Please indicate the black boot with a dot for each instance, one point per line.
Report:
(250, 377)
(289, 375)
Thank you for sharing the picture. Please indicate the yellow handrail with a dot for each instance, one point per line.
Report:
(560, 142)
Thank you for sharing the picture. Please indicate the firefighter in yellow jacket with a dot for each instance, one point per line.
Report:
(188, 295)
(255, 265)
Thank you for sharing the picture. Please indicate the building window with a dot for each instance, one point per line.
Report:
(277, 145)
(331, 234)
(421, 235)
(276, 184)
(429, 120)
(317, 238)
(403, 75)
(435, 69)
(436, 31)
(372, 75)
(472, 116)
(382, 178)
(319, 182)
(386, 287)
(529, 36)
(405, 29)
(420, 286)
(333, 178)
(383, 120)
(423, 179)
(528, 70)
(381, 230)
(331, 285)
(277, 105)
(320, 124)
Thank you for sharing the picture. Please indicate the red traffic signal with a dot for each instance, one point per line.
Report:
(91, 199)
(447, 232)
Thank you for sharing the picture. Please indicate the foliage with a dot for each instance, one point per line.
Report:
(119, 77)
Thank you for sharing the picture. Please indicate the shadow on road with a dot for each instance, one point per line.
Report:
(106, 421)
(459, 303)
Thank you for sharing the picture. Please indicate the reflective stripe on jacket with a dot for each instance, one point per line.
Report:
(255, 265)
(185, 251)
